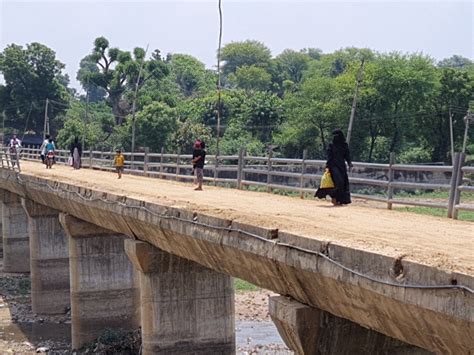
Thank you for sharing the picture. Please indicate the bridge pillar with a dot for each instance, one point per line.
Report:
(49, 260)
(185, 307)
(16, 247)
(103, 290)
(311, 331)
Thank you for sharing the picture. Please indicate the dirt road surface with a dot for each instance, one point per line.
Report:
(435, 241)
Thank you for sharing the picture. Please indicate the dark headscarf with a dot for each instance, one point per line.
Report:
(338, 137)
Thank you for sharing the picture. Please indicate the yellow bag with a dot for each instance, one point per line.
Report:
(326, 181)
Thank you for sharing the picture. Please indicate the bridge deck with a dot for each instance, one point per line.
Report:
(440, 242)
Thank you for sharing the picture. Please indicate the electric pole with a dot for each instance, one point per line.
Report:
(468, 119)
(3, 128)
(46, 121)
(451, 134)
(86, 118)
(354, 101)
(219, 81)
(134, 104)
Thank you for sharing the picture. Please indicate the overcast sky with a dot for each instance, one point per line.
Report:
(437, 28)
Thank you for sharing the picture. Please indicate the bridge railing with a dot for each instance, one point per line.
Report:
(372, 181)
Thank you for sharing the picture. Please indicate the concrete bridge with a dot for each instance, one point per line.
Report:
(156, 254)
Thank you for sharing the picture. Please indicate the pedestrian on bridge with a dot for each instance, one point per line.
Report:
(199, 156)
(76, 153)
(337, 156)
(119, 162)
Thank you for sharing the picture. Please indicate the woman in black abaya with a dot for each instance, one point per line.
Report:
(338, 154)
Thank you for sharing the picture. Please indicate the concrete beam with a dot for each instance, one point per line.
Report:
(103, 290)
(308, 331)
(185, 307)
(49, 260)
(16, 248)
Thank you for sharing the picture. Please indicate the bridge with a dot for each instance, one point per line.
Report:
(156, 254)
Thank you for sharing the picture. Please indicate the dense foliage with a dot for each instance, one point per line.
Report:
(290, 102)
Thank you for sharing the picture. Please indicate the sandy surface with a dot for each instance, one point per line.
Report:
(437, 241)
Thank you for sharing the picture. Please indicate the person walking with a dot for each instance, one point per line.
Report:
(14, 148)
(119, 162)
(337, 155)
(43, 147)
(199, 156)
(76, 153)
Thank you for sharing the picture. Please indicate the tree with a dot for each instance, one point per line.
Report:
(251, 78)
(455, 92)
(312, 113)
(31, 75)
(86, 66)
(246, 53)
(96, 132)
(292, 64)
(118, 71)
(190, 74)
(456, 61)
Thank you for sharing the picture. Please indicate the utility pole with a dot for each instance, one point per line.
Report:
(86, 117)
(451, 134)
(468, 119)
(354, 101)
(46, 121)
(3, 128)
(219, 82)
(134, 104)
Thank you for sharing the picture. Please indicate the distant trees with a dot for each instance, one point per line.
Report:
(31, 75)
(290, 102)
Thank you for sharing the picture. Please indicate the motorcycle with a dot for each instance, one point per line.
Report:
(49, 161)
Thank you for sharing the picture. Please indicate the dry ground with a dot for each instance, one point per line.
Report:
(435, 241)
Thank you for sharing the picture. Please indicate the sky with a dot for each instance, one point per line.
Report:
(436, 28)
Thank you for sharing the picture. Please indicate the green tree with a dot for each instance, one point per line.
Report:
(97, 131)
(251, 78)
(292, 64)
(190, 74)
(246, 53)
(455, 61)
(455, 91)
(86, 66)
(119, 71)
(31, 75)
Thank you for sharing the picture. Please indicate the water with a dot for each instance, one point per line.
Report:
(249, 335)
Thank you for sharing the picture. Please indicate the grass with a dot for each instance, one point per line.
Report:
(438, 212)
(242, 286)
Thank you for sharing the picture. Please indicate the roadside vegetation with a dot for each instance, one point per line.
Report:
(289, 101)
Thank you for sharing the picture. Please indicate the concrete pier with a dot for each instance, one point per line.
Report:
(186, 308)
(103, 291)
(311, 331)
(49, 260)
(16, 247)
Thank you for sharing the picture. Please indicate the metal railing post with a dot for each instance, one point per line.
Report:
(90, 158)
(391, 177)
(303, 171)
(178, 158)
(269, 170)
(453, 188)
(240, 165)
(161, 162)
(216, 172)
(457, 192)
(145, 161)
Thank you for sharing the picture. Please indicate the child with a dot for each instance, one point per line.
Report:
(199, 154)
(119, 162)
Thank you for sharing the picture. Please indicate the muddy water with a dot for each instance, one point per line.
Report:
(260, 337)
